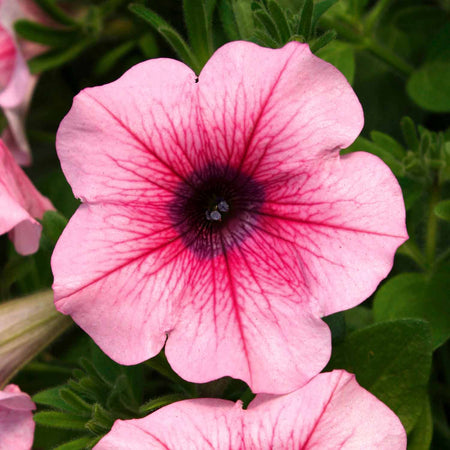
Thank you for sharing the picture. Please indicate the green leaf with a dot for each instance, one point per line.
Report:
(442, 210)
(267, 24)
(263, 38)
(77, 444)
(320, 8)
(42, 34)
(341, 55)
(412, 191)
(409, 132)
(174, 39)
(53, 224)
(421, 435)
(415, 295)
(393, 361)
(429, 86)
(358, 317)
(159, 402)
(304, 26)
(279, 17)
(56, 419)
(50, 397)
(57, 57)
(244, 18)
(389, 143)
(75, 401)
(101, 421)
(322, 40)
(198, 26)
(57, 14)
(226, 14)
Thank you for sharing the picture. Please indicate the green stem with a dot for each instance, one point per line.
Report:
(410, 249)
(389, 57)
(432, 226)
(375, 14)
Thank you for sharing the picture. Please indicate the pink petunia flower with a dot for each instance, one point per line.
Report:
(16, 82)
(218, 214)
(331, 412)
(20, 205)
(16, 419)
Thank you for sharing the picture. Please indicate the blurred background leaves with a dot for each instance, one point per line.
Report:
(396, 55)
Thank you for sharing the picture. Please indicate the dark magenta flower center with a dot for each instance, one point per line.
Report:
(215, 209)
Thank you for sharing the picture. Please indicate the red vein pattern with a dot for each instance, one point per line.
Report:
(331, 412)
(304, 233)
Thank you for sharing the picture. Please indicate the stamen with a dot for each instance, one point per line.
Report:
(214, 215)
(223, 206)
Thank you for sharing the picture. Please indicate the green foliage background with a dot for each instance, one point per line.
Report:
(396, 55)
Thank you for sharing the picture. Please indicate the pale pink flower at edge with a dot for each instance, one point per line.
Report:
(16, 82)
(20, 205)
(218, 213)
(331, 412)
(16, 419)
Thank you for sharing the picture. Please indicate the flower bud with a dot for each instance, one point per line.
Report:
(27, 325)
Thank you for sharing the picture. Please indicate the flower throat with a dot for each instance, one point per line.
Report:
(215, 209)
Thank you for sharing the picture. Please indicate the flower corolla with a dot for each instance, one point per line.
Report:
(218, 214)
(331, 412)
(20, 205)
(16, 82)
(16, 419)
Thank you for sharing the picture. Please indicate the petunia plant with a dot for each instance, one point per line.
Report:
(234, 228)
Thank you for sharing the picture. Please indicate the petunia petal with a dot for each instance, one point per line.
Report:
(265, 108)
(330, 412)
(16, 420)
(20, 204)
(7, 57)
(124, 265)
(15, 76)
(206, 424)
(239, 319)
(130, 139)
(343, 220)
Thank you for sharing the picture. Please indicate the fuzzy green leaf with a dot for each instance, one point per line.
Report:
(77, 444)
(52, 10)
(198, 24)
(159, 402)
(57, 57)
(178, 44)
(42, 34)
(54, 419)
(320, 8)
(305, 24)
(53, 224)
(279, 17)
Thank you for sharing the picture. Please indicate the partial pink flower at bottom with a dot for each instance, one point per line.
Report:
(218, 214)
(16, 419)
(20, 205)
(331, 412)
